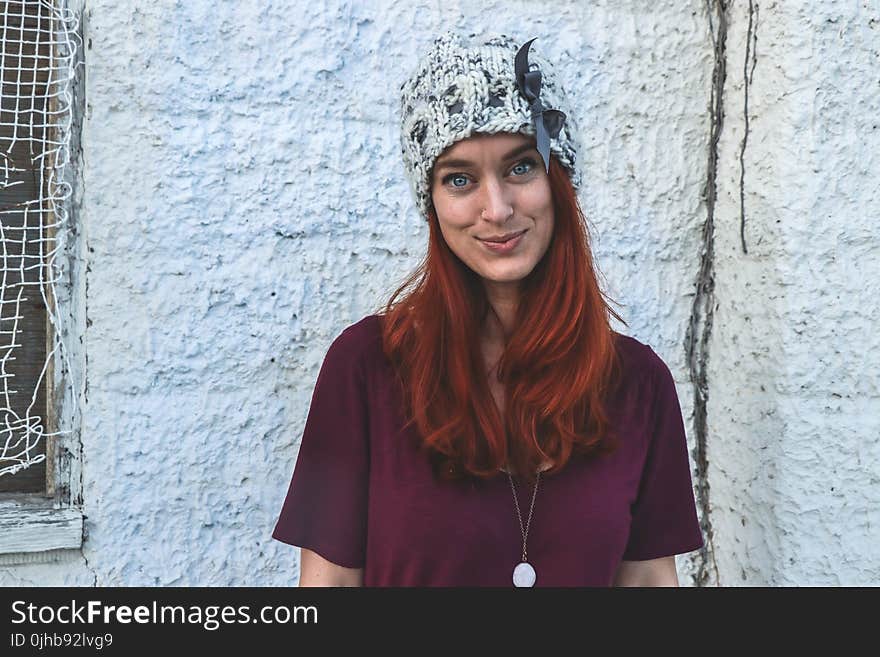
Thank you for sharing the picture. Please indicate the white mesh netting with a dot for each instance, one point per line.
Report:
(38, 64)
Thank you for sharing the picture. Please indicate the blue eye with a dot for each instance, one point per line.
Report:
(456, 176)
(529, 163)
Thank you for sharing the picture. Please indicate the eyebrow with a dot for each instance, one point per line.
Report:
(446, 163)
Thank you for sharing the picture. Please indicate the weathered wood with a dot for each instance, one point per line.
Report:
(49, 556)
(51, 422)
(33, 525)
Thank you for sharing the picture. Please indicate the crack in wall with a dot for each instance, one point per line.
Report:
(89, 566)
(751, 56)
(700, 324)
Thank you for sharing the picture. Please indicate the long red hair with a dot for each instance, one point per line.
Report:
(556, 368)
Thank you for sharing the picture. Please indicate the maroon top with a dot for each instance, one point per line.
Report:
(363, 496)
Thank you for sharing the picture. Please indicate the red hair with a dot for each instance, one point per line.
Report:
(556, 368)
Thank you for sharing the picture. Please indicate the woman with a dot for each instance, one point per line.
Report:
(489, 427)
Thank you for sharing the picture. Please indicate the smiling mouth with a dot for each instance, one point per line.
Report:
(505, 238)
(506, 247)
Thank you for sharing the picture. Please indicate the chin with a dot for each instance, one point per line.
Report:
(510, 276)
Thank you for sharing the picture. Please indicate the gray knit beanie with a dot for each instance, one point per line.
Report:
(488, 86)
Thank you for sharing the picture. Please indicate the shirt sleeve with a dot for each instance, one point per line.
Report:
(664, 515)
(326, 505)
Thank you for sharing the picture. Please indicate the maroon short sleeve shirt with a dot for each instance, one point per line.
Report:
(363, 496)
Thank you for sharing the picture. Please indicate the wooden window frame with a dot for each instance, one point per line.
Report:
(40, 527)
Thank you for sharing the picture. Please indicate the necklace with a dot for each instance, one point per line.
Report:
(524, 573)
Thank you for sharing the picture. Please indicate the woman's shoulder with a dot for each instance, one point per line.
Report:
(638, 358)
(358, 342)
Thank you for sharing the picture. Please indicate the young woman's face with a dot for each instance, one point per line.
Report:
(488, 188)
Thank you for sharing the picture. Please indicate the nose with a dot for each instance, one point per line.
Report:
(497, 204)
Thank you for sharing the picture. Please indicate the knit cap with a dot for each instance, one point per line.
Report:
(463, 86)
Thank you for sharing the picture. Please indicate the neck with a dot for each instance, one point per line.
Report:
(503, 302)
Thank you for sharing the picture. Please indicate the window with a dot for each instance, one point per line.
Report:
(38, 511)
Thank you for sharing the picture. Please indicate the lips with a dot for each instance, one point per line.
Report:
(503, 238)
(505, 247)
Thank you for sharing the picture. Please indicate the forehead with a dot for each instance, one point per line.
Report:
(480, 143)
(485, 150)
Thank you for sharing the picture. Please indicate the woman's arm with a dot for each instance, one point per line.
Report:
(315, 570)
(653, 572)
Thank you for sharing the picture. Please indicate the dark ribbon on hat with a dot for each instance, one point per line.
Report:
(548, 122)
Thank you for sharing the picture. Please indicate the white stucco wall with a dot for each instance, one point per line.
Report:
(243, 200)
(795, 403)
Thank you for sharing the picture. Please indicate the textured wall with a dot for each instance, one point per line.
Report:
(243, 201)
(794, 405)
